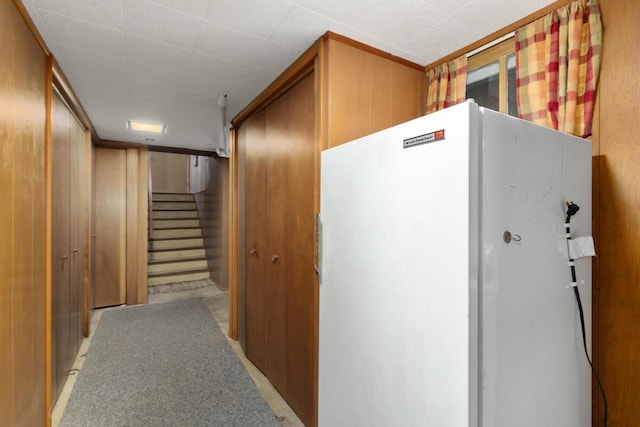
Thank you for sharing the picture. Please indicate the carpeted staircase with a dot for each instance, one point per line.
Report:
(176, 249)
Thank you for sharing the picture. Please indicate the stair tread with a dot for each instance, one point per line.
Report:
(178, 272)
(176, 260)
(176, 211)
(178, 228)
(186, 248)
(176, 238)
(154, 281)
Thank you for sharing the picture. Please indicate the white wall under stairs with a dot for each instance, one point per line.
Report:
(176, 251)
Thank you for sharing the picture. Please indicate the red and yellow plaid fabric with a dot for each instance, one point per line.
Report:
(446, 84)
(557, 66)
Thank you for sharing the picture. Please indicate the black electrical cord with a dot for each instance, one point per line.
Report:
(572, 209)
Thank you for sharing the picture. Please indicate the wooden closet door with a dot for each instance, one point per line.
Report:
(62, 358)
(252, 138)
(302, 285)
(67, 235)
(293, 304)
(278, 291)
(277, 208)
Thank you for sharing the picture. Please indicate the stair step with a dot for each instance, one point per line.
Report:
(177, 259)
(162, 244)
(176, 265)
(177, 233)
(172, 197)
(160, 224)
(158, 215)
(174, 206)
(174, 254)
(186, 276)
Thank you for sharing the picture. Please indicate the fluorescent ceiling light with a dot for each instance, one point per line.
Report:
(146, 127)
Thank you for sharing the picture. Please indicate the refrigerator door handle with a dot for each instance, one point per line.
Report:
(317, 243)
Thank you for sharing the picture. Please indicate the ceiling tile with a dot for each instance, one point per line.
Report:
(440, 39)
(224, 69)
(190, 7)
(275, 57)
(156, 54)
(41, 24)
(256, 17)
(71, 32)
(302, 28)
(159, 23)
(137, 71)
(485, 20)
(91, 65)
(107, 13)
(349, 12)
(225, 42)
(448, 7)
(396, 22)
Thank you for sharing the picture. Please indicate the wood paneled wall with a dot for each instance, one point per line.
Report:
(368, 92)
(110, 218)
(213, 204)
(22, 222)
(169, 172)
(137, 209)
(617, 216)
(121, 207)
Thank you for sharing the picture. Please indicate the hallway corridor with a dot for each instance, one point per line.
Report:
(217, 303)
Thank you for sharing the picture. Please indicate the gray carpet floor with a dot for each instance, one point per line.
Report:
(164, 365)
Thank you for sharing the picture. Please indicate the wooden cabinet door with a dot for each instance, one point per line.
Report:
(252, 139)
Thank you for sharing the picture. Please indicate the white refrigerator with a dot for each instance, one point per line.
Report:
(446, 297)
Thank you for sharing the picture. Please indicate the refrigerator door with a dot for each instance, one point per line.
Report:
(398, 290)
(533, 366)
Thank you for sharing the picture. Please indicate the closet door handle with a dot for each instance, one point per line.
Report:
(64, 257)
(253, 251)
(274, 258)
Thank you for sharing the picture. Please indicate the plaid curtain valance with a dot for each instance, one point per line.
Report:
(446, 84)
(557, 66)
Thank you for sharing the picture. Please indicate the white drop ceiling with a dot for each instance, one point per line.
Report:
(167, 61)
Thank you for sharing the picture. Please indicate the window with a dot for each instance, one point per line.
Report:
(491, 77)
